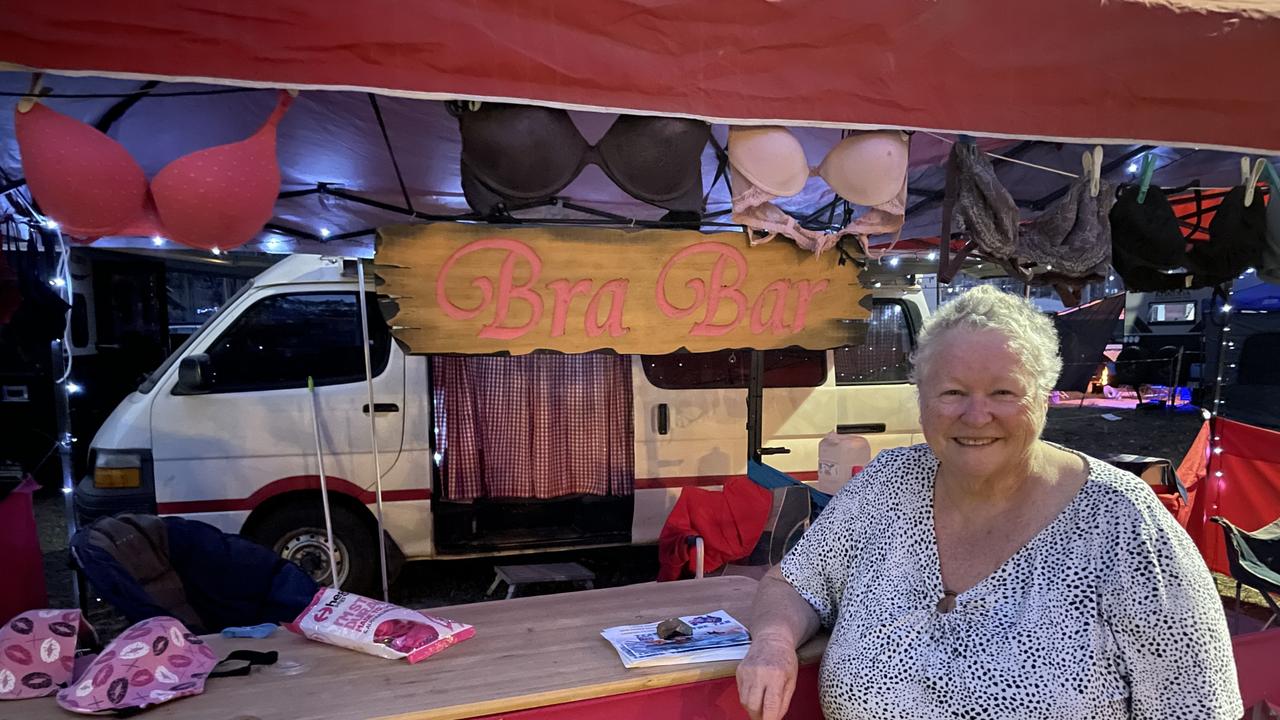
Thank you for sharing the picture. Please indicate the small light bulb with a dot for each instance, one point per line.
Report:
(1110, 278)
(1133, 167)
(1218, 473)
(216, 251)
(1226, 307)
(73, 388)
(58, 282)
(51, 224)
(877, 284)
(157, 240)
(893, 261)
(66, 491)
(1217, 451)
(933, 256)
(325, 232)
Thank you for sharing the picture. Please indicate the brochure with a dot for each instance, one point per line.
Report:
(716, 636)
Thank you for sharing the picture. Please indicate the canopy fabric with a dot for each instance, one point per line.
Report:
(1162, 71)
(334, 138)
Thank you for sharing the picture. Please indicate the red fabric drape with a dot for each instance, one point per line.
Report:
(1149, 70)
(1256, 657)
(535, 426)
(24, 586)
(1240, 483)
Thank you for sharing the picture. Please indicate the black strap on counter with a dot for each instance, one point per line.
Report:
(241, 662)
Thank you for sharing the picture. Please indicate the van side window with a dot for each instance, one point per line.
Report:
(789, 367)
(884, 356)
(280, 340)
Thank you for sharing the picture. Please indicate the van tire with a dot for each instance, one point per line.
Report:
(296, 532)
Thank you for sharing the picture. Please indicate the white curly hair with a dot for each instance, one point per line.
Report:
(1030, 333)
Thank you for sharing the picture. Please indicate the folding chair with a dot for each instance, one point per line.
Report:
(1254, 558)
(788, 519)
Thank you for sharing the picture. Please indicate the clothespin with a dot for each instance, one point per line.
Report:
(1249, 177)
(1148, 167)
(28, 101)
(1092, 161)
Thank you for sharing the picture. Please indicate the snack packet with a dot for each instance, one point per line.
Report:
(377, 628)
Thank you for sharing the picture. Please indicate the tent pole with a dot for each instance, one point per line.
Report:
(373, 426)
(324, 482)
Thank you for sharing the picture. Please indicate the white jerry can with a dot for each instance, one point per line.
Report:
(839, 457)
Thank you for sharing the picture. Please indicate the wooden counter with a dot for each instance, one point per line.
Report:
(526, 653)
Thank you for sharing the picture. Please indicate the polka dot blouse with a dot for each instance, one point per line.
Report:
(1109, 612)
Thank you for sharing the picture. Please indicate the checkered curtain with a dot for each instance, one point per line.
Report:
(535, 426)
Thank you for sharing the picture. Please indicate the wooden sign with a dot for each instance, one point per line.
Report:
(487, 288)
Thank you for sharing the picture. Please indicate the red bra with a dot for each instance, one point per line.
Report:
(217, 197)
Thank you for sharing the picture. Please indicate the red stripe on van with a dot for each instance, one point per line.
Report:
(289, 484)
(707, 480)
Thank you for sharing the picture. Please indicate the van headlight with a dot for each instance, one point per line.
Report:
(117, 469)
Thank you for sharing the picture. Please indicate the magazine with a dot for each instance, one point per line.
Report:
(716, 636)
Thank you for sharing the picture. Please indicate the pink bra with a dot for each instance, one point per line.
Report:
(217, 197)
(867, 169)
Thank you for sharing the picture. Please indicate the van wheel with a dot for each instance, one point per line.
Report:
(297, 533)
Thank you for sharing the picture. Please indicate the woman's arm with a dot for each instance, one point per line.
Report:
(781, 621)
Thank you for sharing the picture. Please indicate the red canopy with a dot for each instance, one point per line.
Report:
(1161, 71)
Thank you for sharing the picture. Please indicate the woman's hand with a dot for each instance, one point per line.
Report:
(767, 678)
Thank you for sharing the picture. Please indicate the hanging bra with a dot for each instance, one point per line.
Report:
(1147, 239)
(526, 154)
(217, 197)
(867, 169)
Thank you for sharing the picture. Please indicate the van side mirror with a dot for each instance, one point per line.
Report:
(195, 374)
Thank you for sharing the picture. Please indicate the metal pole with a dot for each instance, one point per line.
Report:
(324, 482)
(1173, 383)
(373, 427)
(755, 406)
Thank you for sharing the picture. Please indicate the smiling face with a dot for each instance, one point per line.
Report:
(979, 415)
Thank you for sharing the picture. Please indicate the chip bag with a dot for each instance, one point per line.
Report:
(377, 628)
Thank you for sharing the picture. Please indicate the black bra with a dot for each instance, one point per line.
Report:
(523, 154)
(1147, 239)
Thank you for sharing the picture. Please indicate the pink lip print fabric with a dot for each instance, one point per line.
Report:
(37, 653)
(154, 661)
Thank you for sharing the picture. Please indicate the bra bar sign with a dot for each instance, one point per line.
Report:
(488, 288)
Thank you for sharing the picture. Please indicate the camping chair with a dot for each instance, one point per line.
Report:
(787, 521)
(1254, 558)
(147, 566)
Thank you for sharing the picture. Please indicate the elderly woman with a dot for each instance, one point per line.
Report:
(991, 574)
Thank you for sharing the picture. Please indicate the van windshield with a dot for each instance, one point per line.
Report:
(155, 376)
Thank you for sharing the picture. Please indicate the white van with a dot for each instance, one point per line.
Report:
(222, 432)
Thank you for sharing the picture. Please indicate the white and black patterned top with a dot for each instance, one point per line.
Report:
(1109, 612)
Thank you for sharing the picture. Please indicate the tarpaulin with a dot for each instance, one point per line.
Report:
(1241, 483)
(1083, 333)
(20, 544)
(1168, 71)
